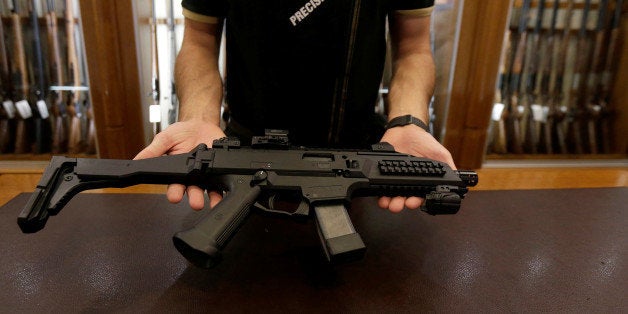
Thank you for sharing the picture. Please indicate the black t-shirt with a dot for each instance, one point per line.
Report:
(312, 67)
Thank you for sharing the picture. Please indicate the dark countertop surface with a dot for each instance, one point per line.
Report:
(530, 250)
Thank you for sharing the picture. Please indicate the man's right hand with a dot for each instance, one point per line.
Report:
(179, 138)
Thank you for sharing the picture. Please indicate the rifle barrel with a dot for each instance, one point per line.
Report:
(42, 127)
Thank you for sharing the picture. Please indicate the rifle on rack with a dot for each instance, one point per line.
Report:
(559, 97)
(21, 85)
(318, 183)
(173, 112)
(516, 109)
(612, 54)
(59, 113)
(593, 107)
(75, 141)
(578, 87)
(535, 117)
(86, 112)
(548, 106)
(155, 108)
(499, 142)
(42, 121)
(88, 122)
(7, 111)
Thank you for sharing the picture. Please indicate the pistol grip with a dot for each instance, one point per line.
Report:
(202, 244)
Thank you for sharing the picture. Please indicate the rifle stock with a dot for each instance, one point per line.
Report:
(534, 116)
(91, 145)
(75, 143)
(516, 110)
(21, 85)
(88, 124)
(499, 141)
(592, 104)
(613, 52)
(560, 97)
(59, 114)
(7, 116)
(548, 64)
(5, 139)
(174, 100)
(578, 89)
(155, 108)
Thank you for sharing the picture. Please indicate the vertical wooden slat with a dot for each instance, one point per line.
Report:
(109, 33)
(473, 89)
(619, 98)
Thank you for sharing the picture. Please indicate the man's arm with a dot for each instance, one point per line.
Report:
(412, 83)
(198, 81)
(411, 89)
(199, 88)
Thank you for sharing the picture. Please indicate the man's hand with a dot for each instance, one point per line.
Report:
(412, 140)
(179, 138)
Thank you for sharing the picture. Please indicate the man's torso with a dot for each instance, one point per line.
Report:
(310, 66)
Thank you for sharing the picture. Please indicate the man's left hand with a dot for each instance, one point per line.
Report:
(411, 139)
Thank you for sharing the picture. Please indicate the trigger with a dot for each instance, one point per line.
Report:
(262, 207)
(285, 205)
(303, 209)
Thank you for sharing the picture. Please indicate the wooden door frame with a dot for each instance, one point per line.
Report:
(475, 76)
(114, 80)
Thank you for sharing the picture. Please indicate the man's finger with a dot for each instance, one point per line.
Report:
(175, 193)
(196, 197)
(413, 202)
(397, 204)
(214, 198)
(383, 202)
(156, 148)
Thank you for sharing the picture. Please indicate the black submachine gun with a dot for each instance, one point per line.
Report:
(321, 181)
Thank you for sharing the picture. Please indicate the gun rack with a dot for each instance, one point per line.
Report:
(558, 91)
(46, 107)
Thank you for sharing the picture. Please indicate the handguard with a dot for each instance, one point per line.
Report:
(323, 181)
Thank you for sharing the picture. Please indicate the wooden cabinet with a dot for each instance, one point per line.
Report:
(482, 28)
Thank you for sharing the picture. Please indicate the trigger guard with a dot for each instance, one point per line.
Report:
(302, 210)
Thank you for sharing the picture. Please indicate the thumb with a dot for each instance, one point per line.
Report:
(156, 148)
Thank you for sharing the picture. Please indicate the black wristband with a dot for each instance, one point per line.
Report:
(405, 120)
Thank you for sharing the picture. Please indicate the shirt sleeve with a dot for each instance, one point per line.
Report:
(413, 7)
(206, 11)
